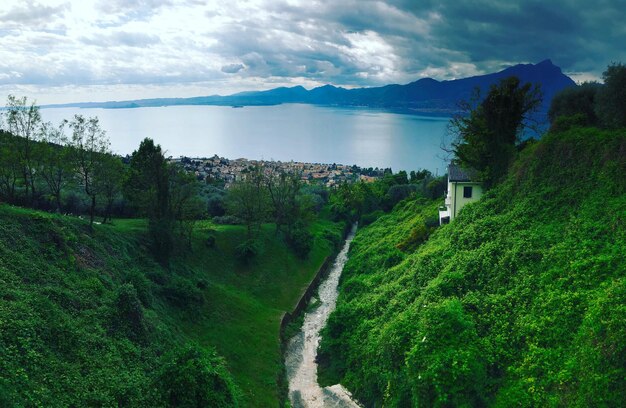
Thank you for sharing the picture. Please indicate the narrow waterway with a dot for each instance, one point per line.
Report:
(304, 391)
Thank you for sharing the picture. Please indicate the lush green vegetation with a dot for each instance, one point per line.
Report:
(519, 302)
(87, 317)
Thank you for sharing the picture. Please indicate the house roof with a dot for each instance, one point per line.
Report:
(456, 173)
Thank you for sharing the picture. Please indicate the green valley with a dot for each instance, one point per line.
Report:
(88, 317)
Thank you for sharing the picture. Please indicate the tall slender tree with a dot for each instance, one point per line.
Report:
(109, 175)
(90, 145)
(147, 187)
(24, 120)
(247, 199)
(283, 188)
(55, 160)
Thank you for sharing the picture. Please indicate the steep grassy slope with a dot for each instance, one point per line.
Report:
(521, 301)
(87, 318)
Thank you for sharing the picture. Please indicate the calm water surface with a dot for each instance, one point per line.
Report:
(296, 132)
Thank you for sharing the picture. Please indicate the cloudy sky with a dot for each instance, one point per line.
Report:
(95, 50)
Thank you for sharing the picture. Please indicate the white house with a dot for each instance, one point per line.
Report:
(463, 188)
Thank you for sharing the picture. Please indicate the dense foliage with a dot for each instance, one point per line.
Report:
(365, 202)
(84, 318)
(519, 302)
(592, 103)
(578, 100)
(487, 134)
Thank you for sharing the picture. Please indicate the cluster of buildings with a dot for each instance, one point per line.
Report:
(220, 169)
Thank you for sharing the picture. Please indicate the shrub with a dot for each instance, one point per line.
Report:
(182, 292)
(210, 239)
(142, 285)
(215, 205)
(300, 240)
(333, 237)
(194, 377)
(247, 250)
(129, 318)
(436, 188)
(367, 219)
(418, 235)
(563, 123)
(397, 193)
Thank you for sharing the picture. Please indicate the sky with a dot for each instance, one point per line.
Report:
(57, 51)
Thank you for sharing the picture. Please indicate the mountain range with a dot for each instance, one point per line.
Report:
(425, 96)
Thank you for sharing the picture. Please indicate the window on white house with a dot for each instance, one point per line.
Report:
(467, 192)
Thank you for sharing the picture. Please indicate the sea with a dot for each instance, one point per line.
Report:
(298, 132)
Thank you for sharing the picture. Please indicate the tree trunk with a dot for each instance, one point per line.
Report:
(92, 210)
(57, 197)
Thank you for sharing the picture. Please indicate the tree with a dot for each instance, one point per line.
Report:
(486, 137)
(89, 147)
(578, 100)
(611, 99)
(55, 160)
(147, 187)
(283, 188)
(195, 377)
(109, 174)
(23, 120)
(187, 206)
(247, 200)
(9, 167)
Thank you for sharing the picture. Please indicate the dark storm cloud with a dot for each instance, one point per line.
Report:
(445, 40)
(577, 35)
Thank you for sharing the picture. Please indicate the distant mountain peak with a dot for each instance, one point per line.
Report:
(423, 96)
(545, 62)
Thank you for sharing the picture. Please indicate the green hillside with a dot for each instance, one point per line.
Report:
(89, 319)
(521, 301)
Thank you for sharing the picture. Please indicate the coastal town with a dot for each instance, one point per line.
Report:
(223, 170)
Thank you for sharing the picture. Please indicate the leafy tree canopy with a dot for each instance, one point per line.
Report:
(486, 137)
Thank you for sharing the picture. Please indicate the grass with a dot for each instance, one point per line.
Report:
(58, 286)
(245, 303)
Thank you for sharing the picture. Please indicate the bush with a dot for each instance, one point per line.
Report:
(576, 101)
(210, 239)
(333, 237)
(367, 219)
(142, 285)
(194, 377)
(436, 188)
(397, 193)
(418, 235)
(564, 123)
(215, 205)
(129, 318)
(182, 292)
(248, 250)
(300, 240)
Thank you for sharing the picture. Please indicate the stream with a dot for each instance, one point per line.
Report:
(304, 391)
